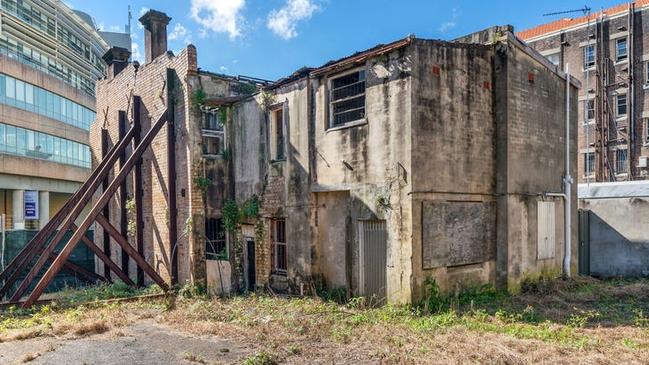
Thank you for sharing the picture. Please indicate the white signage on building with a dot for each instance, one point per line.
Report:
(31, 204)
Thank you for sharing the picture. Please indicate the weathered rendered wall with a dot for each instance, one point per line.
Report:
(530, 119)
(619, 246)
(453, 165)
(378, 155)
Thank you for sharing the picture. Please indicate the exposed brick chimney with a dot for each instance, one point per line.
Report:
(116, 58)
(155, 34)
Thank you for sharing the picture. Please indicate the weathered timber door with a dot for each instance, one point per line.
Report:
(373, 242)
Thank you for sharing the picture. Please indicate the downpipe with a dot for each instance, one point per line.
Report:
(566, 195)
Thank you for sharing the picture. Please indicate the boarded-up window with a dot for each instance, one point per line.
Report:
(457, 233)
(546, 231)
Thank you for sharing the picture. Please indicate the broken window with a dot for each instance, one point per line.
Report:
(589, 56)
(278, 126)
(347, 98)
(620, 49)
(212, 144)
(621, 105)
(215, 245)
(278, 237)
(212, 121)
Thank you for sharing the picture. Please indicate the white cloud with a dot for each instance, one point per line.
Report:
(135, 53)
(180, 32)
(283, 21)
(450, 24)
(223, 69)
(143, 10)
(219, 16)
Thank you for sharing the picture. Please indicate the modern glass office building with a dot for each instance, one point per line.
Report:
(50, 59)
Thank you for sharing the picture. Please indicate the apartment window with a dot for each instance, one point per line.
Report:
(620, 49)
(278, 239)
(621, 161)
(590, 109)
(278, 134)
(646, 130)
(589, 163)
(554, 58)
(215, 244)
(347, 98)
(621, 105)
(589, 56)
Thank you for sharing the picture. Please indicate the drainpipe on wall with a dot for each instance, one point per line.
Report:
(567, 188)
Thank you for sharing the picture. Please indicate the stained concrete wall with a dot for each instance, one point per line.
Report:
(618, 239)
(453, 165)
(372, 162)
(530, 133)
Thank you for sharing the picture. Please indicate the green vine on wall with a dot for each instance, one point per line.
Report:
(202, 183)
(233, 215)
(198, 97)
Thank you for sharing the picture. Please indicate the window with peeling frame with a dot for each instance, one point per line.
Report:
(347, 98)
(621, 105)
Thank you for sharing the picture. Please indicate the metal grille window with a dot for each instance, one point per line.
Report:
(215, 244)
(212, 121)
(279, 254)
(621, 105)
(347, 98)
(647, 72)
(589, 56)
(620, 49)
(589, 163)
(621, 161)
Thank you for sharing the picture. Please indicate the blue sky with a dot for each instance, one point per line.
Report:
(272, 38)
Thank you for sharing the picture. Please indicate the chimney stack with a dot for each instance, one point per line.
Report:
(116, 58)
(155, 34)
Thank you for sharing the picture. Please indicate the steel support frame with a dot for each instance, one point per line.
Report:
(95, 215)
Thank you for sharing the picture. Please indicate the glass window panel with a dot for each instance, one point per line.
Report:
(11, 88)
(20, 90)
(29, 94)
(11, 135)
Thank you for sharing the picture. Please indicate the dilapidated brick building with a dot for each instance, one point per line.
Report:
(414, 159)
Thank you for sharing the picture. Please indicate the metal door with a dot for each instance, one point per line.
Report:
(373, 242)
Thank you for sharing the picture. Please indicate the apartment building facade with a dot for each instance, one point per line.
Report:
(608, 52)
(50, 59)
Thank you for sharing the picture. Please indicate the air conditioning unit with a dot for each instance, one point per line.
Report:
(642, 161)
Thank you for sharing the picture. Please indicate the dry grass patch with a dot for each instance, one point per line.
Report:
(91, 328)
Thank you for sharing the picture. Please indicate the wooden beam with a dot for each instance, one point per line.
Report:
(78, 208)
(123, 194)
(104, 258)
(123, 242)
(80, 270)
(105, 138)
(37, 244)
(137, 187)
(94, 213)
(171, 173)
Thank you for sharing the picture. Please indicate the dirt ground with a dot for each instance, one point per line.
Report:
(553, 322)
